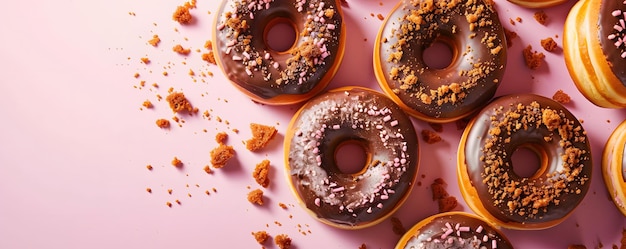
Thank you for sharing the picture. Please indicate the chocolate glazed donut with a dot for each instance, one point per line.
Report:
(453, 230)
(486, 173)
(472, 31)
(279, 77)
(370, 120)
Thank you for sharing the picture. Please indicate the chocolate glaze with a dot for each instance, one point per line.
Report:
(433, 234)
(475, 154)
(260, 79)
(388, 137)
(469, 49)
(606, 23)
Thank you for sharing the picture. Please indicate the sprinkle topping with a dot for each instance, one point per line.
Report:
(618, 36)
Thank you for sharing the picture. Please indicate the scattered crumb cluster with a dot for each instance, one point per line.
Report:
(445, 201)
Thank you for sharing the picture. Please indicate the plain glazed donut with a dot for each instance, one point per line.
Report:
(486, 173)
(614, 167)
(472, 31)
(454, 230)
(370, 120)
(594, 46)
(537, 3)
(279, 77)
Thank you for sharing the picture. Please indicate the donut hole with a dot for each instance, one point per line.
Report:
(280, 35)
(439, 55)
(529, 161)
(351, 157)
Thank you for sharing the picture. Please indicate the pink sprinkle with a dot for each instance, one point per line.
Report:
(494, 244)
(384, 197)
(248, 71)
(336, 127)
(616, 12)
(485, 238)
(330, 26)
(387, 118)
(464, 229)
(267, 56)
(221, 26)
(450, 240)
(380, 205)
(618, 28)
(300, 9)
(448, 232)
(339, 189)
(391, 191)
(623, 55)
(394, 123)
(276, 65)
(448, 226)
(251, 15)
(611, 36)
(317, 202)
(369, 210)
(236, 58)
(245, 54)
(479, 229)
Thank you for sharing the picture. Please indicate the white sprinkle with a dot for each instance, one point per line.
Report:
(245, 54)
(251, 15)
(618, 28)
(464, 229)
(248, 71)
(485, 238)
(267, 56)
(448, 225)
(221, 26)
(448, 232)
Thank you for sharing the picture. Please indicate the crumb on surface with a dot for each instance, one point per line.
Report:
(163, 123)
(147, 104)
(430, 137)
(207, 169)
(380, 17)
(510, 35)
(182, 15)
(397, 227)
(209, 57)
(149, 190)
(282, 205)
(533, 59)
(445, 202)
(436, 126)
(282, 241)
(180, 50)
(261, 135)
(221, 155)
(256, 197)
(177, 162)
(149, 167)
(549, 44)
(260, 236)
(261, 173)
(561, 97)
(154, 41)
(178, 102)
(221, 137)
(541, 17)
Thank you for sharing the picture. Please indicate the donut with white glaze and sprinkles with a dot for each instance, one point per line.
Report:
(370, 120)
(457, 230)
(473, 33)
(489, 180)
(614, 167)
(242, 51)
(594, 47)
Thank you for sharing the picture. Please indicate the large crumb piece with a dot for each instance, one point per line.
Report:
(260, 236)
(256, 197)
(430, 137)
(209, 57)
(261, 135)
(541, 17)
(445, 202)
(510, 35)
(261, 173)
(182, 15)
(178, 102)
(397, 227)
(533, 59)
(180, 50)
(282, 241)
(561, 97)
(163, 123)
(221, 155)
(549, 44)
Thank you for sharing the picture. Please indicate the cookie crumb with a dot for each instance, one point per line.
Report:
(397, 227)
(169, 204)
(282, 241)
(207, 169)
(260, 236)
(149, 167)
(445, 202)
(179, 103)
(541, 17)
(430, 137)
(549, 44)
(177, 162)
(147, 104)
(533, 59)
(180, 50)
(261, 173)
(221, 137)
(510, 35)
(182, 15)
(380, 17)
(282, 205)
(209, 57)
(256, 197)
(436, 126)
(154, 41)
(221, 155)
(149, 190)
(261, 135)
(561, 97)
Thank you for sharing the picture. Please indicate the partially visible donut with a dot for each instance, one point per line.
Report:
(370, 120)
(488, 181)
(472, 31)
(279, 77)
(614, 167)
(454, 230)
(594, 47)
(537, 3)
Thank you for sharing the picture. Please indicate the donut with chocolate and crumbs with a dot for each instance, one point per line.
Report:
(535, 4)
(361, 117)
(614, 167)
(473, 33)
(457, 230)
(545, 195)
(243, 52)
(594, 47)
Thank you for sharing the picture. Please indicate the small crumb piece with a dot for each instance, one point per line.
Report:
(177, 162)
(261, 173)
(207, 169)
(282, 205)
(261, 135)
(518, 19)
(561, 97)
(260, 236)
(541, 17)
(282, 241)
(149, 190)
(147, 104)
(145, 60)
(397, 227)
(182, 15)
(256, 197)
(178, 102)
(169, 204)
(149, 167)
(209, 57)
(430, 137)
(154, 41)
(549, 44)
(169, 191)
(533, 59)
(163, 123)
(510, 35)
(447, 204)
(180, 50)
(380, 17)
(221, 155)
(221, 137)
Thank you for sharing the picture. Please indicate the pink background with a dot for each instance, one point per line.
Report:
(75, 140)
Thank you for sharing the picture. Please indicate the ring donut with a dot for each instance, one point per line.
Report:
(470, 29)
(386, 135)
(487, 176)
(454, 230)
(240, 42)
(614, 167)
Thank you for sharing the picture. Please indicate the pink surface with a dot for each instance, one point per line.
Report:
(75, 140)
